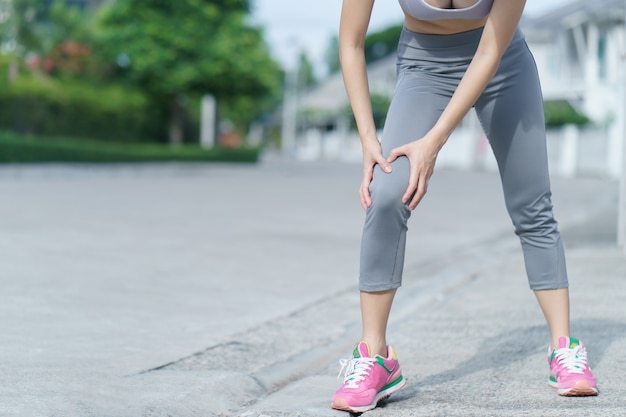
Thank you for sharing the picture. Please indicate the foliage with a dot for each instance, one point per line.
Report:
(5, 62)
(174, 48)
(560, 112)
(16, 148)
(19, 28)
(50, 37)
(73, 48)
(380, 105)
(306, 73)
(170, 51)
(332, 56)
(380, 44)
(47, 106)
(37, 26)
(188, 45)
(377, 46)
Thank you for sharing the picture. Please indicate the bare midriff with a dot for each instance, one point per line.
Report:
(444, 27)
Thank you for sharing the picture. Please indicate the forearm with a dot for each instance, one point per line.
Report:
(355, 15)
(497, 34)
(357, 87)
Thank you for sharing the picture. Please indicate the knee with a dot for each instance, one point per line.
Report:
(387, 200)
(535, 223)
(387, 190)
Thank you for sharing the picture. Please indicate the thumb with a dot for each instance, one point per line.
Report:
(384, 164)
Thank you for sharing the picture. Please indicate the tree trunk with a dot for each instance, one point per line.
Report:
(13, 70)
(176, 121)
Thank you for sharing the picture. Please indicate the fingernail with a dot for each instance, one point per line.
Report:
(388, 169)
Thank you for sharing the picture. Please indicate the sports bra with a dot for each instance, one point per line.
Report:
(421, 10)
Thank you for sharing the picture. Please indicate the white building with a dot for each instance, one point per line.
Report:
(581, 57)
(580, 53)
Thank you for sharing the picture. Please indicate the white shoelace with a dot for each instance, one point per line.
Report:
(356, 370)
(575, 360)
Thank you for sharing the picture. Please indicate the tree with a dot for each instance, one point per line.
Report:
(380, 44)
(306, 72)
(174, 48)
(332, 55)
(19, 25)
(42, 32)
(18, 28)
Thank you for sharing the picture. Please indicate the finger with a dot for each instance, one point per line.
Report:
(364, 194)
(417, 197)
(410, 190)
(364, 191)
(394, 154)
(362, 197)
(420, 192)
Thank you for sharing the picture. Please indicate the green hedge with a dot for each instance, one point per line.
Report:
(15, 148)
(560, 112)
(51, 107)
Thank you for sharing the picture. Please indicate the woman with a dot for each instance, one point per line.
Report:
(452, 55)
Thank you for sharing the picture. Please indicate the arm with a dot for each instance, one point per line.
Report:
(355, 16)
(497, 34)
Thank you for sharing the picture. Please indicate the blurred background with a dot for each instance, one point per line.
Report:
(264, 76)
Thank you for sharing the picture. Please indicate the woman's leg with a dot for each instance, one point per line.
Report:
(511, 112)
(384, 232)
(375, 308)
(555, 307)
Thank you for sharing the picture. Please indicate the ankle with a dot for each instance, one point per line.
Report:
(556, 341)
(377, 347)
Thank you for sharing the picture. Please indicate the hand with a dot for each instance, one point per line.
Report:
(372, 156)
(422, 156)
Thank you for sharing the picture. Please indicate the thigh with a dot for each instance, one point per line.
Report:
(511, 113)
(415, 107)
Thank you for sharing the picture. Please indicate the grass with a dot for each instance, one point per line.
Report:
(18, 148)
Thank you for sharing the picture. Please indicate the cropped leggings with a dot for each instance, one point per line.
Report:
(510, 111)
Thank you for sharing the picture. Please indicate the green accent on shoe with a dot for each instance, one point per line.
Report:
(553, 379)
(552, 355)
(381, 362)
(355, 352)
(573, 342)
(392, 383)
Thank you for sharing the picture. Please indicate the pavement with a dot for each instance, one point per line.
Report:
(230, 290)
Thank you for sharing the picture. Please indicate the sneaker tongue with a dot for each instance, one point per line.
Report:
(362, 350)
(568, 342)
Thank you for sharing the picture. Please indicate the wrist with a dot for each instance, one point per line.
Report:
(370, 141)
(437, 137)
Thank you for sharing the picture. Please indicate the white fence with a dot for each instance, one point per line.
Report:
(572, 151)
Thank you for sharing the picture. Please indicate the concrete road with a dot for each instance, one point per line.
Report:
(111, 272)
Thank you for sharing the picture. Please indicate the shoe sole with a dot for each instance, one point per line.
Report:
(382, 395)
(580, 389)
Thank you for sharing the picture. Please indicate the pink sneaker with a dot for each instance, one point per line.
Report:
(569, 371)
(367, 380)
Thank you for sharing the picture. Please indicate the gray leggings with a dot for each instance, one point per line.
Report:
(510, 111)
